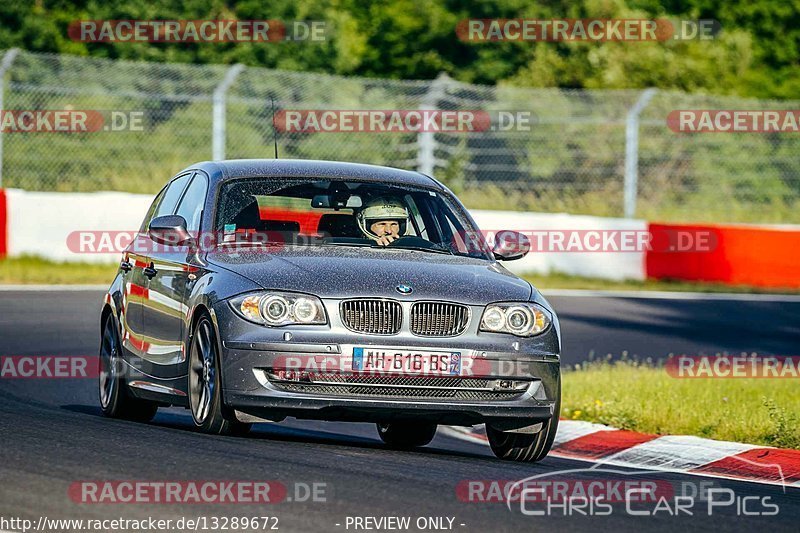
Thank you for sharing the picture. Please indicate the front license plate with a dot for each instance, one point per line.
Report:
(406, 361)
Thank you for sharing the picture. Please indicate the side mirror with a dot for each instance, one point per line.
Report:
(170, 230)
(510, 245)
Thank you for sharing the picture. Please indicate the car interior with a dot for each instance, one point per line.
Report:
(254, 219)
(324, 212)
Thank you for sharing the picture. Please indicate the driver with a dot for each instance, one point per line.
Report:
(383, 219)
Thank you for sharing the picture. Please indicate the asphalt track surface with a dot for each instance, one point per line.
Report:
(52, 434)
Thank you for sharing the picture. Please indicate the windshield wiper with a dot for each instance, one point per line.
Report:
(351, 244)
(446, 251)
(251, 243)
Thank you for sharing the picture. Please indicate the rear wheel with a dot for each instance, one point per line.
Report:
(525, 447)
(205, 391)
(115, 399)
(404, 435)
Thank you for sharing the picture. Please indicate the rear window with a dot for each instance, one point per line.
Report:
(297, 210)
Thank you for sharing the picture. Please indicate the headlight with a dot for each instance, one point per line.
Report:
(280, 308)
(521, 319)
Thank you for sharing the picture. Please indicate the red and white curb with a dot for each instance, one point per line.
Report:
(672, 453)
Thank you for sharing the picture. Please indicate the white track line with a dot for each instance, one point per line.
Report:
(54, 288)
(667, 295)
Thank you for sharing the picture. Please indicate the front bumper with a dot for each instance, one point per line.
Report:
(251, 352)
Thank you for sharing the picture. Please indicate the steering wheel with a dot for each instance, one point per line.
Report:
(413, 240)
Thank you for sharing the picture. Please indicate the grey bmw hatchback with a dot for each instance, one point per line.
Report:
(257, 290)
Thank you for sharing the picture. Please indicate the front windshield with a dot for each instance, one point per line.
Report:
(314, 212)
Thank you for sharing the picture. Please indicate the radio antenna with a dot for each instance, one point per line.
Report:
(274, 128)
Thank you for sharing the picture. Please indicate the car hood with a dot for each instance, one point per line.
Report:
(342, 272)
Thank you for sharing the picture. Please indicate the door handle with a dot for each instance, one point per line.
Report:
(150, 272)
(125, 266)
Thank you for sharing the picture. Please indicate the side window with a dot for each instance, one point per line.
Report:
(149, 216)
(449, 227)
(191, 206)
(171, 196)
(457, 234)
(465, 238)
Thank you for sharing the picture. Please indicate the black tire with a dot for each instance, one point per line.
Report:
(204, 385)
(525, 447)
(405, 435)
(116, 400)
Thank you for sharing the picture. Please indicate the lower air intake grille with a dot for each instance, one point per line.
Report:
(392, 386)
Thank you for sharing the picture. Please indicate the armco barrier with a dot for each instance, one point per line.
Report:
(742, 255)
(38, 223)
(605, 265)
(3, 225)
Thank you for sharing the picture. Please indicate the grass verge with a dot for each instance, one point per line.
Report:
(34, 271)
(642, 397)
(556, 280)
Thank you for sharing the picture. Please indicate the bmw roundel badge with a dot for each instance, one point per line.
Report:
(404, 289)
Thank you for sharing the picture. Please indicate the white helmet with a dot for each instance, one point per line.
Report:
(382, 208)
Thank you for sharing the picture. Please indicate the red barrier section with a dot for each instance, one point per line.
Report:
(781, 466)
(739, 256)
(602, 443)
(308, 220)
(3, 225)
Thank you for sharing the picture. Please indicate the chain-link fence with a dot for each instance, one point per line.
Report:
(598, 152)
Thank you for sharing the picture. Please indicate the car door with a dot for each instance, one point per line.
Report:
(166, 314)
(160, 344)
(134, 286)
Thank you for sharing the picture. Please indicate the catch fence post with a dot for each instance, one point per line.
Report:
(219, 112)
(632, 152)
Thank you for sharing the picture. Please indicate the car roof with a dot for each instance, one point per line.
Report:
(302, 168)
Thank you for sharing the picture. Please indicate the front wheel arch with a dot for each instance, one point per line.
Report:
(104, 314)
(221, 419)
(199, 311)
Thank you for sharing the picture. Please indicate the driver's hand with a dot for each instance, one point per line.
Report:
(386, 240)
